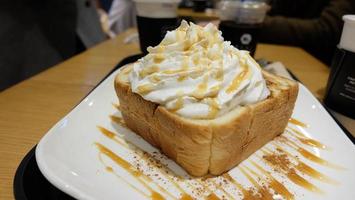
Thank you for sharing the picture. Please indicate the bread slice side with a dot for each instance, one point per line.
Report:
(208, 146)
(252, 129)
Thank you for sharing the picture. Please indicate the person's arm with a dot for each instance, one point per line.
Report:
(318, 34)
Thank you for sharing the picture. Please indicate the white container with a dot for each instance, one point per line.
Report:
(347, 40)
(157, 8)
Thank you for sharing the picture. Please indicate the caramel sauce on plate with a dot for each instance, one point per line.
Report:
(297, 122)
(212, 197)
(282, 163)
(156, 196)
(299, 133)
(247, 194)
(112, 136)
(106, 132)
(312, 142)
(279, 159)
(219, 187)
(308, 170)
(299, 180)
(302, 167)
(142, 155)
(134, 172)
(110, 170)
(265, 194)
(186, 197)
(118, 120)
(117, 106)
(117, 159)
(314, 158)
(275, 184)
(305, 140)
(310, 156)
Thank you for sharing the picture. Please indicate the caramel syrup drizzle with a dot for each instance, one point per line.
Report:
(265, 194)
(305, 140)
(239, 78)
(178, 104)
(213, 196)
(148, 71)
(130, 169)
(306, 169)
(273, 183)
(219, 187)
(310, 156)
(214, 109)
(117, 106)
(158, 58)
(118, 120)
(145, 89)
(299, 133)
(247, 194)
(298, 123)
(236, 81)
(264, 191)
(201, 88)
(111, 170)
(140, 153)
(185, 68)
(285, 168)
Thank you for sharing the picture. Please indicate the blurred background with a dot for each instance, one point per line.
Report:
(38, 34)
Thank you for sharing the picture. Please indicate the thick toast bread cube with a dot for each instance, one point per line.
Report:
(211, 146)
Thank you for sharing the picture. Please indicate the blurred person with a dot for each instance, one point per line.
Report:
(37, 34)
(313, 25)
(122, 15)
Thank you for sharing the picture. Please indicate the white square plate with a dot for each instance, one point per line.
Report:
(69, 157)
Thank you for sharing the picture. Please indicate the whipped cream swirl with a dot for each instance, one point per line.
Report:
(196, 74)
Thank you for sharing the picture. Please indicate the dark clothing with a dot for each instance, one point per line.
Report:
(33, 36)
(313, 25)
(37, 34)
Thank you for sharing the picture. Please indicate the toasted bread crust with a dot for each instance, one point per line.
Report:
(209, 146)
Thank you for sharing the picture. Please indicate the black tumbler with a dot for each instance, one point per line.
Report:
(154, 19)
(152, 30)
(340, 93)
(199, 5)
(241, 22)
(242, 36)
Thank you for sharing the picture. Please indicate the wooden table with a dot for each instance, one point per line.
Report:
(31, 107)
